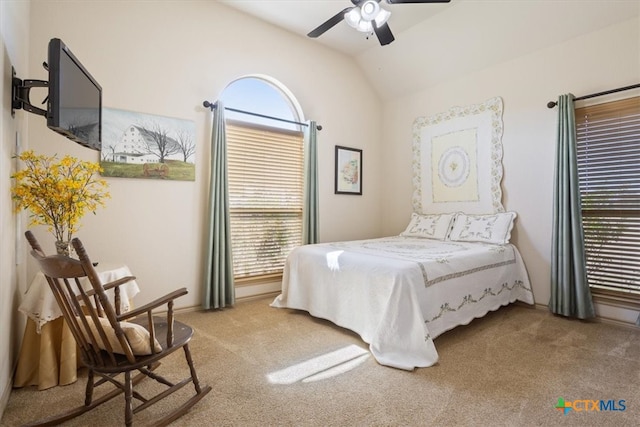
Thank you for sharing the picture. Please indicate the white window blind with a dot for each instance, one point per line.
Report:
(265, 168)
(608, 137)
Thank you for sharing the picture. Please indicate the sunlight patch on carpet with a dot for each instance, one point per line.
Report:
(322, 367)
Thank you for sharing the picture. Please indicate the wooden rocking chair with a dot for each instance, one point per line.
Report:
(112, 343)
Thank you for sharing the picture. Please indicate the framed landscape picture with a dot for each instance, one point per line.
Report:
(139, 145)
(348, 176)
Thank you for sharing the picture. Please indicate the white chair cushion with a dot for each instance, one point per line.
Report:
(137, 335)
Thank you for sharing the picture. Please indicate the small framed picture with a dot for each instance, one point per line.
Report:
(348, 170)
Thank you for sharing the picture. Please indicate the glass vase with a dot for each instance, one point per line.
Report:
(62, 248)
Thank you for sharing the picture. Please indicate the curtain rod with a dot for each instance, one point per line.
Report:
(213, 106)
(552, 104)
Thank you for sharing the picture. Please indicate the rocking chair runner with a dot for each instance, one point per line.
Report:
(113, 343)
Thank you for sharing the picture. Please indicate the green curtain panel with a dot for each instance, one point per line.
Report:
(570, 294)
(219, 290)
(310, 217)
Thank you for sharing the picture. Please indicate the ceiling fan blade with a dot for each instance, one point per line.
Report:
(384, 34)
(329, 23)
(417, 1)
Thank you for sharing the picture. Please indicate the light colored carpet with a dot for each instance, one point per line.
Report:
(272, 366)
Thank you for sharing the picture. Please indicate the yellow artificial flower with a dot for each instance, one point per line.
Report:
(58, 193)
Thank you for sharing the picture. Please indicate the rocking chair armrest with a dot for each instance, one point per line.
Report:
(110, 285)
(154, 304)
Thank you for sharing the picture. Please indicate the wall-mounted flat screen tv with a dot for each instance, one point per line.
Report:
(74, 106)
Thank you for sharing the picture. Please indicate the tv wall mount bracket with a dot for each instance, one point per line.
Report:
(20, 92)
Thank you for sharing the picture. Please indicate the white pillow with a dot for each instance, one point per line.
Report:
(494, 228)
(137, 335)
(435, 226)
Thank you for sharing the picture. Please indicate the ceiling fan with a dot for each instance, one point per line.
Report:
(367, 16)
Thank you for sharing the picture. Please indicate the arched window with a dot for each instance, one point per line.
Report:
(265, 167)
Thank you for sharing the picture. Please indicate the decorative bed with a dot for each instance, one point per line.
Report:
(399, 293)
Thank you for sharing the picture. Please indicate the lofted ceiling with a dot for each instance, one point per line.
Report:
(437, 42)
(302, 16)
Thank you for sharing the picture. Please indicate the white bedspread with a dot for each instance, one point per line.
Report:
(399, 293)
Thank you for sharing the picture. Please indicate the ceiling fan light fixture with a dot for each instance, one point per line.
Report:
(361, 18)
(364, 26)
(369, 10)
(366, 16)
(353, 17)
(382, 17)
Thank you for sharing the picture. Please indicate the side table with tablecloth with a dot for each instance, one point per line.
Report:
(48, 354)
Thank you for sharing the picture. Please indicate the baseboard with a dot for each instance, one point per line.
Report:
(256, 290)
(258, 296)
(239, 300)
(536, 306)
(617, 322)
(599, 319)
(6, 393)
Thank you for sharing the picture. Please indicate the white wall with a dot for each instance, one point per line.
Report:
(598, 61)
(166, 58)
(14, 38)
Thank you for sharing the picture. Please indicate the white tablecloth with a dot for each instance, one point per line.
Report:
(48, 354)
(40, 305)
